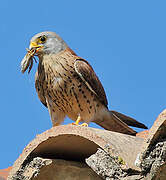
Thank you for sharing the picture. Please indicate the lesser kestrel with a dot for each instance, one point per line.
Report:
(68, 86)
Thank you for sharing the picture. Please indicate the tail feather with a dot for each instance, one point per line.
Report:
(115, 121)
(128, 120)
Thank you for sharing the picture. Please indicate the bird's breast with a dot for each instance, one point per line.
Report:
(66, 90)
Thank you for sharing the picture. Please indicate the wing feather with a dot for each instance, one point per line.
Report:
(89, 77)
(40, 90)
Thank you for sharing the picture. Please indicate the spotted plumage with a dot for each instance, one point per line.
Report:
(68, 86)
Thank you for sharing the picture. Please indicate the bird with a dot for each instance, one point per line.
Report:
(68, 86)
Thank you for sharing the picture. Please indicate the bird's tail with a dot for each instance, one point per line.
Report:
(118, 122)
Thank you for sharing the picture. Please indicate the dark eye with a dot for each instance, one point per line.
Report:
(43, 39)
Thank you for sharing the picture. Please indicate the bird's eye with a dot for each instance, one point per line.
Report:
(43, 39)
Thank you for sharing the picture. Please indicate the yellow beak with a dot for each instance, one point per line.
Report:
(34, 45)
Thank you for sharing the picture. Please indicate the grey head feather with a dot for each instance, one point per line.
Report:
(54, 43)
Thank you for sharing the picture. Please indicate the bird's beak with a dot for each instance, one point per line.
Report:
(34, 45)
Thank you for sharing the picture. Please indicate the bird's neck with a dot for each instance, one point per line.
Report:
(54, 48)
(71, 51)
(67, 50)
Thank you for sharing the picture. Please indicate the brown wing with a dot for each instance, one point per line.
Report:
(87, 74)
(40, 90)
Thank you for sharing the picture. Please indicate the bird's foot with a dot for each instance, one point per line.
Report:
(76, 124)
(78, 121)
(84, 125)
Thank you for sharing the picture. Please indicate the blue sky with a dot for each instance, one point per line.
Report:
(124, 41)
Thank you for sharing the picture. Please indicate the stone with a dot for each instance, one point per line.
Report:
(55, 169)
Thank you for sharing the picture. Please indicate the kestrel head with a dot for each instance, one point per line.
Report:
(47, 43)
(41, 44)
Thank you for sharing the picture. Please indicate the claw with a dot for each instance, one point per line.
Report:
(78, 121)
(75, 124)
(84, 125)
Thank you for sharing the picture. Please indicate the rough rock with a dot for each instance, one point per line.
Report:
(51, 169)
(152, 158)
(111, 167)
(109, 155)
(76, 143)
(106, 166)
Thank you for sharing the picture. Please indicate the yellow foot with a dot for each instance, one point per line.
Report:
(77, 121)
(84, 125)
(75, 124)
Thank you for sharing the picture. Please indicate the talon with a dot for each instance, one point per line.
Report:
(74, 124)
(77, 121)
(84, 125)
